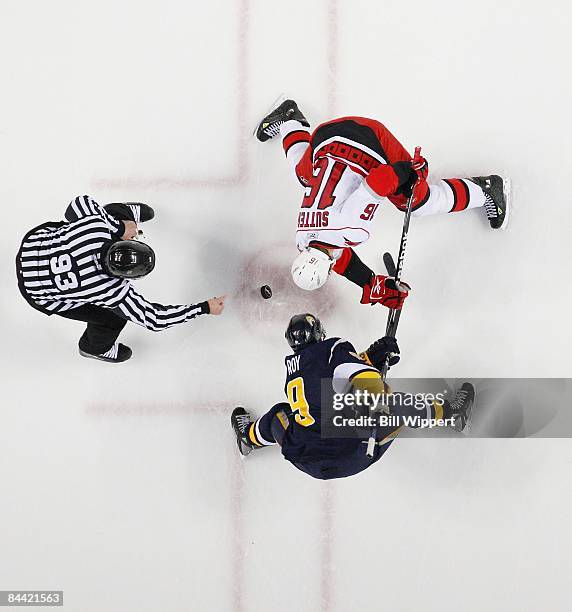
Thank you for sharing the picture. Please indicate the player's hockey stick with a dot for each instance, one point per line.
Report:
(389, 264)
(394, 315)
(390, 330)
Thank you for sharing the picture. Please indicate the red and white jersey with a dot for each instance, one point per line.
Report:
(345, 167)
(338, 206)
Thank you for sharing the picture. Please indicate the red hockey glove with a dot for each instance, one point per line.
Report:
(397, 178)
(383, 290)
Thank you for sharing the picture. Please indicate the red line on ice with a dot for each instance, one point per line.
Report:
(150, 409)
(333, 50)
(327, 510)
(238, 549)
(326, 548)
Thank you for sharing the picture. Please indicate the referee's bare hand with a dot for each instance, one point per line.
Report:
(130, 230)
(216, 305)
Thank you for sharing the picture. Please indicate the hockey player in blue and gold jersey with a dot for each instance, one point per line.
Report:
(317, 369)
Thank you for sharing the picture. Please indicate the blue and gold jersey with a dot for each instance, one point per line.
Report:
(311, 376)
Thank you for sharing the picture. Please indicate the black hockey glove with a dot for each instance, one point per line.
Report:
(380, 349)
(407, 173)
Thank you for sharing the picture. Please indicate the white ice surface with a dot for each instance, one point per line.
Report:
(120, 484)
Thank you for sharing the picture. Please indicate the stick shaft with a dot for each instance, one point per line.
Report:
(394, 315)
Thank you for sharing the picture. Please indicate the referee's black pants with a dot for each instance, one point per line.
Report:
(103, 327)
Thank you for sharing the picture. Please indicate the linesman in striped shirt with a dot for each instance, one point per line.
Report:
(81, 269)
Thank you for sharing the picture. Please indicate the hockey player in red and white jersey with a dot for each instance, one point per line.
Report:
(348, 167)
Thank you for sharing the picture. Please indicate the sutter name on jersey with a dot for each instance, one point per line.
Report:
(313, 219)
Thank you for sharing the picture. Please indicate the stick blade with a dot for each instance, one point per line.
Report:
(389, 264)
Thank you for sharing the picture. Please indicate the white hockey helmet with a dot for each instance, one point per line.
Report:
(311, 268)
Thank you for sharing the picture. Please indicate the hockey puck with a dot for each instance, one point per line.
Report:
(266, 292)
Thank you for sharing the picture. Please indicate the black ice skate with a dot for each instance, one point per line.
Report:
(462, 406)
(241, 421)
(270, 125)
(116, 354)
(497, 192)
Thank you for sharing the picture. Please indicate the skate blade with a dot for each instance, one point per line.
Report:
(507, 191)
(281, 98)
(244, 451)
(467, 430)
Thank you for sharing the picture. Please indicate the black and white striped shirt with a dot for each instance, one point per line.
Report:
(59, 268)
